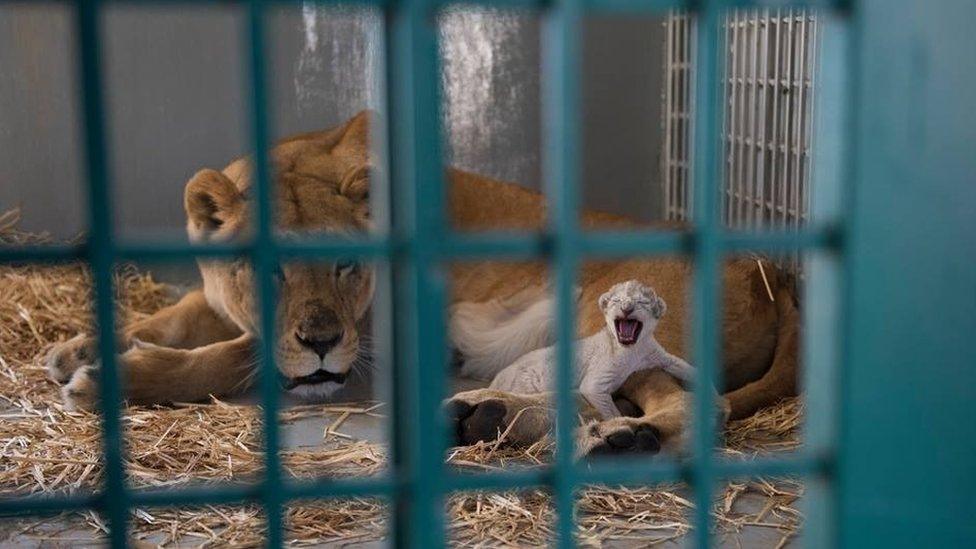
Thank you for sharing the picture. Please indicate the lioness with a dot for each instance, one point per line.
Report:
(204, 344)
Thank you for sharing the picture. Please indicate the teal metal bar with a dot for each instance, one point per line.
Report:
(606, 244)
(201, 495)
(495, 245)
(706, 296)
(101, 258)
(420, 430)
(265, 262)
(562, 54)
(35, 505)
(42, 254)
(823, 312)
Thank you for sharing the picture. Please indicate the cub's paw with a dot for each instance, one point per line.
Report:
(65, 358)
(618, 436)
(81, 392)
(483, 415)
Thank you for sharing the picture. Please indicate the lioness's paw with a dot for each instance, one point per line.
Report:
(65, 358)
(483, 415)
(81, 393)
(618, 436)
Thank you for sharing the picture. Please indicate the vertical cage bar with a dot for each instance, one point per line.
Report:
(823, 313)
(774, 129)
(101, 256)
(799, 82)
(706, 293)
(763, 82)
(742, 60)
(667, 179)
(562, 52)
(783, 144)
(731, 107)
(264, 260)
(418, 222)
(690, 118)
(798, 180)
(752, 130)
(814, 63)
(681, 110)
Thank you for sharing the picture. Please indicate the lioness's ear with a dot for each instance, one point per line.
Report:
(211, 200)
(355, 184)
(355, 133)
(604, 301)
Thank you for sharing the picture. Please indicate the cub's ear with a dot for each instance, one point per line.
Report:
(604, 301)
(211, 201)
(658, 306)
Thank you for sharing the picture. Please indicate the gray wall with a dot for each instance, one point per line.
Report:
(177, 102)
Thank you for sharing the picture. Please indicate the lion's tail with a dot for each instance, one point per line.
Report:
(493, 334)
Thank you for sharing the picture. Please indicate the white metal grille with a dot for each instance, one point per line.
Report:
(770, 65)
(679, 91)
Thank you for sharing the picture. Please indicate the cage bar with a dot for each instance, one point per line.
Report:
(264, 261)
(417, 198)
(562, 51)
(706, 294)
(101, 258)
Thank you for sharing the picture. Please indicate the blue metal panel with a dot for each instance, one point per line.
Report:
(908, 461)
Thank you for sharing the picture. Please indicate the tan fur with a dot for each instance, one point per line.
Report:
(322, 186)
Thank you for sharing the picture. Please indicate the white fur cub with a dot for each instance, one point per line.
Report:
(607, 358)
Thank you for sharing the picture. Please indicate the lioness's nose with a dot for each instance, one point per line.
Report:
(319, 329)
(627, 308)
(321, 347)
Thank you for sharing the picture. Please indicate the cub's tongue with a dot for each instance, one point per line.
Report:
(627, 330)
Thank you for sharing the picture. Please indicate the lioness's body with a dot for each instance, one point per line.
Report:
(203, 344)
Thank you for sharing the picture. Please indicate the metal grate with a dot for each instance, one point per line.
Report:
(679, 89)
(418, 246)
(768, 82)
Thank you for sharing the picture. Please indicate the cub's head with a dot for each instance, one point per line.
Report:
(631, 308)
(321, 184)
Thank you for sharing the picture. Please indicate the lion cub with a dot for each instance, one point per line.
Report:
(605, 359)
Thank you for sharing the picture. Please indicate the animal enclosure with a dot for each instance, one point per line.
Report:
(731, 159)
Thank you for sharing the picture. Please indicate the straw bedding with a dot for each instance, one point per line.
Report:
(45, 449)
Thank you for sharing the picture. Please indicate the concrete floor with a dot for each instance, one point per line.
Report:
(70, 530)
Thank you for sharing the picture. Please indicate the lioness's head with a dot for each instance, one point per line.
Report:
(321, 182)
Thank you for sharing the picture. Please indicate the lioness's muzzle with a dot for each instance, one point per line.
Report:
(318, 376)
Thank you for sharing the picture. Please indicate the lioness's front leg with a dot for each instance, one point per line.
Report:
(663, 425)
(187, 324)
(154, 375)
(483, 414)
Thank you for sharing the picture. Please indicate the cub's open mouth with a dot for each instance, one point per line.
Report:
(316, 377)
(628, 330)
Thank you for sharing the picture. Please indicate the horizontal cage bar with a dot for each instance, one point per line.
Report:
(596, 6)
(458, 246)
